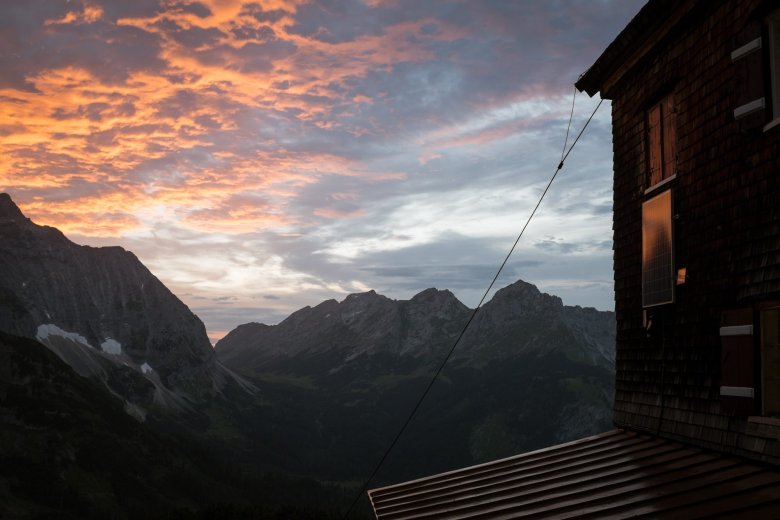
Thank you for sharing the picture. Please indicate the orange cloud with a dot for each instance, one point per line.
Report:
(89, 14)
(102, 151)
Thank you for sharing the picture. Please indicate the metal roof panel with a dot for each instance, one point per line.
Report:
(617, 474)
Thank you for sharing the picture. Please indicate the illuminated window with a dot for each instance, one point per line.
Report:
(658, 274)
(661, 137)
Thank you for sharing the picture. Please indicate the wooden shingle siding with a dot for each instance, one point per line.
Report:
(727, 231)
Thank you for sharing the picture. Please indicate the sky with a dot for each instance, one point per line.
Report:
(261, 156)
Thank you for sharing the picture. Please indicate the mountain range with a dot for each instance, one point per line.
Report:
(528, 373)
(318, 396)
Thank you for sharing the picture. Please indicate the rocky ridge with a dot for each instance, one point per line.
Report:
(340, 376)
(103, 313)
(518, 319)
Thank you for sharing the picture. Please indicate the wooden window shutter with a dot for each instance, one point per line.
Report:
(654, 145)
(747, 56)
(737, 355)
(769, 323)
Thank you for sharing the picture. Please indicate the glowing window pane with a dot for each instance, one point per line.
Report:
(658, 274)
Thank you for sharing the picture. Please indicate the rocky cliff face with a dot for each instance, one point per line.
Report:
(520, 319)
(366, 323)
(100, 309)
(517, 320)
(338, 379)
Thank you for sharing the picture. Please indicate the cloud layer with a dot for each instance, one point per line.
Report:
(261, 156)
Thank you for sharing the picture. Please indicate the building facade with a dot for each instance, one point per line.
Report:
(695, 91)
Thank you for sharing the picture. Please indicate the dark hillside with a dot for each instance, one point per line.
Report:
(68, 450)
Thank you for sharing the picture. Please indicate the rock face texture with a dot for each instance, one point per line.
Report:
(102, 302)
(362, 324)
(338, 379)
(520, 319)
(517, 320)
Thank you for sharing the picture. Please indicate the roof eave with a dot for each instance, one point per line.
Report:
(612, 62)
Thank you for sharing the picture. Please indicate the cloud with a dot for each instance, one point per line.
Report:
(305, 149)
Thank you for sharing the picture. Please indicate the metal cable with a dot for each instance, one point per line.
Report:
(564, 156)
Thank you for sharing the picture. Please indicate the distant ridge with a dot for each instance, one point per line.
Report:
(338, 378)
(369, 323)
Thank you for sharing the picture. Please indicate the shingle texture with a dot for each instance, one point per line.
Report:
(726, 201)
(618, 474)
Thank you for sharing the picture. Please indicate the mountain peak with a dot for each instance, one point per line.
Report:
(8, 209)
(370, 292)
(523, 291)
(434, 295)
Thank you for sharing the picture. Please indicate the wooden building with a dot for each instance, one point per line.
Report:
(695, 92)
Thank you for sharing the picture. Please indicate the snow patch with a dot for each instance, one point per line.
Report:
(111, 346)
(146, 369)
(49, 329)
(135, 411)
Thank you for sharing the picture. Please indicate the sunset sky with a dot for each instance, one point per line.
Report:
(260, 156)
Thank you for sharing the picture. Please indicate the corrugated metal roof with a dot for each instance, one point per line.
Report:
(618, 474)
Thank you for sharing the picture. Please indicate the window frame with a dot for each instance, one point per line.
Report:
(649, 232)
(661, 142)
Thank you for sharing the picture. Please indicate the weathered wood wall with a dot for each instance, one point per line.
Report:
(726, 197)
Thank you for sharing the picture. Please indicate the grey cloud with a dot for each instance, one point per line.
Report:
(116, 9)
(250, 57)
(589, 208)
(107, 50)
(259, 57)
(191, 37)
(184, 102)
(248, 32)
(198, 9)
(560, 247)
(336, 21)
(258, 13)
(22, 39)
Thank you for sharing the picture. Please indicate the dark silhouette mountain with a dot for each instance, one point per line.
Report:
(323, 392)
(338, 379)
(366, 323)
(69, 451)
(104, 313)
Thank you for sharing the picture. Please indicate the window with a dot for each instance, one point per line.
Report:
(737, 356)
(661, 138)
(750, 371)
(756, 56)
(658, 276)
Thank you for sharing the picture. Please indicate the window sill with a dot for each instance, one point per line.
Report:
(661, 184)
(773, 123)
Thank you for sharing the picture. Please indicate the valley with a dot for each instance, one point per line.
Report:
(112, 398)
